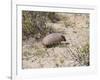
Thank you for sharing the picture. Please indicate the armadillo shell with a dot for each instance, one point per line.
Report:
(51, 39)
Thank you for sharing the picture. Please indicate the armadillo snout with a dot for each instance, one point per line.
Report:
(63, 38)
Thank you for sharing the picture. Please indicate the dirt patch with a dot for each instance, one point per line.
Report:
(75, 52)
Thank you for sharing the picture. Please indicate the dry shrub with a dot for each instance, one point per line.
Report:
(34, 23)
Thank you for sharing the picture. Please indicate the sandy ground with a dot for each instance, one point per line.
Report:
(75, 28)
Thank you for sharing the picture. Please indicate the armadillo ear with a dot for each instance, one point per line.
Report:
(63, 37)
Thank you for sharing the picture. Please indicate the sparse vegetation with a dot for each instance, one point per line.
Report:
(40, 52)
(61, 60)
(85, 49)
(75, 27)
(34, 23)
(84, 56)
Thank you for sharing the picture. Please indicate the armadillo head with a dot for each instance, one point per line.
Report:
(63, 38)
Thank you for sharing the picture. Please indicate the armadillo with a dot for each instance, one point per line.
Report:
(53, 38)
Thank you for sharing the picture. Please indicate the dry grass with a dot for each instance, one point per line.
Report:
(74, 26)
